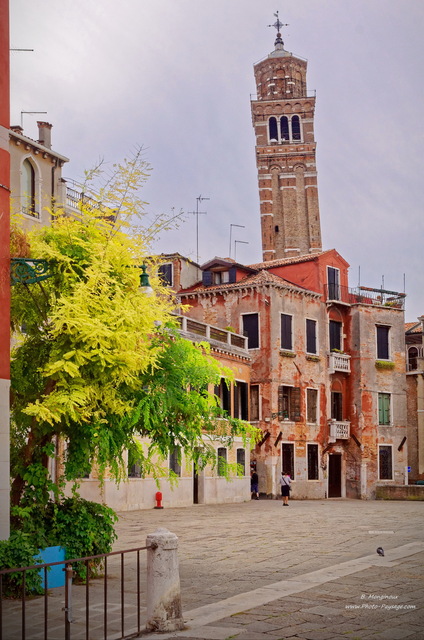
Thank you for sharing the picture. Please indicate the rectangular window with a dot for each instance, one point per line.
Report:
(175, 461)
(286, 332)
(384, 408)
(385, 462)
(335, 330)
(223, 392)
(311, 336)
(222, 460)
(254, 402)
(333, 278)
(289, 403)
(240, 400)
(336, 406)
(311, 405)
(241, 461)
(251, 329)
(165, 274)
(383, 351)
(287, 458)
(313, 471)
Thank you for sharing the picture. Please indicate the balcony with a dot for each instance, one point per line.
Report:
(217, 337)
(339, 430)
(364, 295)
(338, 362)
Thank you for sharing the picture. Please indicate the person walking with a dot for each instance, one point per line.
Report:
(254, 482)
(285, 482)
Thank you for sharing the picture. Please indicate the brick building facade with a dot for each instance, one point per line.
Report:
(328, 384)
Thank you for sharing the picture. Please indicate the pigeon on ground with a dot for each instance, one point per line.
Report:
(380, 551)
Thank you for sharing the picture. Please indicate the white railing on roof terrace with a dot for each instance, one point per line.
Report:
(209, 332)
(338, 362)
(339, 430)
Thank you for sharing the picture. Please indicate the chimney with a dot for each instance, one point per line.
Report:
(45, 134)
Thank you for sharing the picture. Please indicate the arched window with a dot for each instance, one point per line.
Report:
(295, 123)
(273, 130)
(284, 123)
(28, 189)
(412, 358)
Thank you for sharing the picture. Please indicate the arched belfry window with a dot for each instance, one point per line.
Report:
(28, 189)
(273, 130)
(295, 123)
(285, 131)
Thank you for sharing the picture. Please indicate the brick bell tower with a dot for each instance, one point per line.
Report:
(283, 119)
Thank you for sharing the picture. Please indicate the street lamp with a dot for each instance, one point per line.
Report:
(144, 281)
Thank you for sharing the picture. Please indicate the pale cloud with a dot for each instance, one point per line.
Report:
(176, 76)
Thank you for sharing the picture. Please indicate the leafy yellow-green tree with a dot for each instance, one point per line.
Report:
(97, 361)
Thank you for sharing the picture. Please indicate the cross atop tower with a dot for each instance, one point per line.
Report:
(277, 25)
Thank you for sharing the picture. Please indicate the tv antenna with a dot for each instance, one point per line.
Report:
(198, 213)
(29, 112)
(236, 242)
(231, 229)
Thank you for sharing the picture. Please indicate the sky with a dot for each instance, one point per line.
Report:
(176, 77)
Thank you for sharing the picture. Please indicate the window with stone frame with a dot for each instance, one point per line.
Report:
(311, 336)
(287, 458)
(336, 406)
(384, 403)
(335, 335)
(222, 461)
(383, 344)
(312, 405)
(223, 391)
(165, 273)
(286, 332)
(241, 408)
(385, 462)
(254, 402)
(241, 461)
(313, 467)
(175, 461)
(250, 322)
(289, 403)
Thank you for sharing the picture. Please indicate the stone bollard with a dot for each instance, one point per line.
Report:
(163, 582)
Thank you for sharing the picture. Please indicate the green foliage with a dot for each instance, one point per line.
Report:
(174, 408)
(20, 551)
(384, 364)
(93, 370)
(84, 528)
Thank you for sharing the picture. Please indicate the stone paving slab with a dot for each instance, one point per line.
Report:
(325, 551)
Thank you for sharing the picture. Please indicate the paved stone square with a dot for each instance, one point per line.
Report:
(256, 570)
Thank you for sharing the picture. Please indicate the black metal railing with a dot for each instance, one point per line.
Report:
(109, 612)
(364, 295)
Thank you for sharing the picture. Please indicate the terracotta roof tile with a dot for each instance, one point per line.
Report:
(413, 327)
(261, 277)
(283, 261)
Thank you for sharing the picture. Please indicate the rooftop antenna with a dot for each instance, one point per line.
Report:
(231, 229)
(236, 242)
(198, 213)
(21, 49)
(28, 112)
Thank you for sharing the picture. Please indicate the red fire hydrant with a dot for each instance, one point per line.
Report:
(158, 498)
